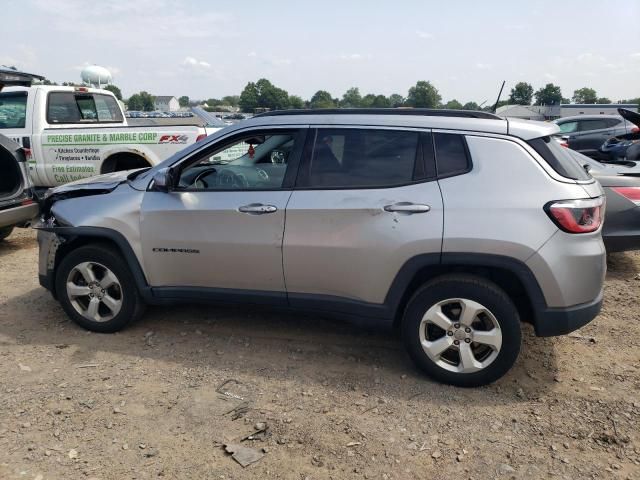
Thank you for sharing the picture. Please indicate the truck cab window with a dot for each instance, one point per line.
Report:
(70, 107)
(13, 109)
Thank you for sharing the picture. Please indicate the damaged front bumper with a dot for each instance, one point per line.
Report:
(48, 243)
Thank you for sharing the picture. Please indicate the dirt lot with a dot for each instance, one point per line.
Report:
(336, 401)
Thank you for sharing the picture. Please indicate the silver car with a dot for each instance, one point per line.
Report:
(454, 226)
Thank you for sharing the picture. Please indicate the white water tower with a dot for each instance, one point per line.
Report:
(96, 76)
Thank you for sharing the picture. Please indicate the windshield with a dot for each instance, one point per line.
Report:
(13, 109)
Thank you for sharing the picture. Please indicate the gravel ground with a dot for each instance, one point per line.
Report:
(327, 400)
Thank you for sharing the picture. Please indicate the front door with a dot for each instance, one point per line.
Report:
(221, 226)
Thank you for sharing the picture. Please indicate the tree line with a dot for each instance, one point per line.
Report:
(263, 94)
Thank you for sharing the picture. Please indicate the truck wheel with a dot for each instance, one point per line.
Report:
(462, 330)
(123, 161)
(97, 290)
(5, 232)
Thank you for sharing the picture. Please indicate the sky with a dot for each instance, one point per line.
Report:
(206, 48)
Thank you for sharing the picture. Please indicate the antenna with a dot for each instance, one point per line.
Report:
(495, 107)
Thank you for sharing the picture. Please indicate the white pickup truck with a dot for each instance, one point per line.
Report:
(70, 133)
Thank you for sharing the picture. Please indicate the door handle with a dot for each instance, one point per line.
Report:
(257, 209)
(407, 207)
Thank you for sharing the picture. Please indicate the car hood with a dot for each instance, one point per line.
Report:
(98, 185)
(99, 182)
(630, 116)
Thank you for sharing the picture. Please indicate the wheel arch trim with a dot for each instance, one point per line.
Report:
(72, 234)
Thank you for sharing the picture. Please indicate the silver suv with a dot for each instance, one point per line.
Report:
(454, 226)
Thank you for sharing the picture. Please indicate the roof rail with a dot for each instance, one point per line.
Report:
(427, 112)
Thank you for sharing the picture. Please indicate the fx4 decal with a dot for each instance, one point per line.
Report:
(173, 139)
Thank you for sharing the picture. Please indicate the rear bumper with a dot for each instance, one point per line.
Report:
(560, 321)
(18, 215)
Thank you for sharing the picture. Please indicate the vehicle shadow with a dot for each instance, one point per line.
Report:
(15, 242)
(621, 266)
(279, 345)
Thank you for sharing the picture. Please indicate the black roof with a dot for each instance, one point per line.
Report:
(428, 112)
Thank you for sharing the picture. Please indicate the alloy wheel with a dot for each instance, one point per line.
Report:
(460, 335)
(94, 291)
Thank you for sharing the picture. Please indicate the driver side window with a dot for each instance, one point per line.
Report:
(252, 162)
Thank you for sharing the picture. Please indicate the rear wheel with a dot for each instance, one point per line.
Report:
(462, 330)
(5, 232)
(97, 290)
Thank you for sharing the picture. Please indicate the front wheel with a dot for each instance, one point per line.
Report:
(462, 330)
(97, 290)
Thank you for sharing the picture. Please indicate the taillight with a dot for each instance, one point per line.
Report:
(635, 129)
(630, 193)
(202, 136)
(27, 154)
(577, 216)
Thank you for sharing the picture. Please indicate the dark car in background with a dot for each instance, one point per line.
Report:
(621, 183)
(18, 205)
(587, 133)
(625, 146)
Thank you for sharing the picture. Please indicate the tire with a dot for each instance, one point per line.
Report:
(92, 298)
(5, 232)
(496, 321)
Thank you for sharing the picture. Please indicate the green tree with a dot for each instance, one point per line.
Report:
(231, 100)
(521, 94)
(248, 101)
(44, 81)
(141, 101)
(550, 94)
(351, 98)
(322, 99)
(423, 94)
(183, 101)
(381, 102)
(470, 106)
(115, 90)
(263, 94)
(585, 95)
(295, 101)
(368, 100)
(396, 100)
(602, 100)
(270, 96)
(453, 105)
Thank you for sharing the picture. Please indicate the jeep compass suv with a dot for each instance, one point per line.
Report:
(454, 226)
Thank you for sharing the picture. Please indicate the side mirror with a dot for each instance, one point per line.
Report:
(162, 180)
(587, 167)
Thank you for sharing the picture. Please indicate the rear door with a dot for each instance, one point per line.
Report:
(366, 201)
(592, 133)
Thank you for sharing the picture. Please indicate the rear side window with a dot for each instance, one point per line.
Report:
(559, 158)
(613, 122)
(69, 107)
(13, 109)
(587, 125)
(452, 154)
(360, 158)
